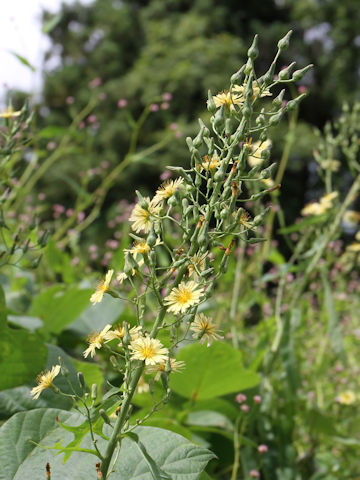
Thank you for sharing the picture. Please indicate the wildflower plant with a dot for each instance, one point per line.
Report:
(184, 238)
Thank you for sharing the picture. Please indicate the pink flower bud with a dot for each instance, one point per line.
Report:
(257, 399)
(262, 448)
(240, 398)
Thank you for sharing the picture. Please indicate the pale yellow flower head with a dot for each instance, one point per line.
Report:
(347, 398)
(142, 386)
(210, 163)
(167, 189)
(101, 288)
(351, 216)
(228, 99)
(186, 295)
(240, 89)
(143, 218)
(149, 350)
(204, 329)
(327, 200)
(96, 340)
(353, 247)
(10, 113)
(118, 333)
(44, 380)
(197, 265)
(313, 208)
(175, 366)
(329, 164)
(255, 157)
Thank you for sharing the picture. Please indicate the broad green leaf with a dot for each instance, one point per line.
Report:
(91, 371)
(17, 435)
(22, 356)
(18, 399)
(209, 418)
(215, 404)
(306, 222)
(23, 60)
(95, 317)
(58, 308)
(24, 321)
(211, 372)
(174, 455)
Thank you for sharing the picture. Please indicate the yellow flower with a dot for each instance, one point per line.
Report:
(143, 218)
(327, 200)
(269, 182)
(204, 329)
(44, 380)
(228, 99)
(347, 398)
(332, 165)
(197, 265)
(175, 366)
(149, 350)
(167, 189)
(256, 149)
(351, 216)
(121, 276)
(357, 236)
(95, 340)
(142, 386)
(210, 163)
(184, 296)
(245, 220)
(313, 208)
(141, 248)
(118, 333)
(354, 247)
(101, 288)
(240, 89)
(10, 113)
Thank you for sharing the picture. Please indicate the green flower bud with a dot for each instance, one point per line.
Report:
(284, 42)
(104, 416)
(93, 391)
(238, 76)
(151, 238)
(298, 74)
(277, 102)
(293, 104)
(142, 202)
(81, 380)
(267, 172)
(253, 51)
(275, 119)
(248, 67)
(256, 240)
(210, 103)
(285, 73)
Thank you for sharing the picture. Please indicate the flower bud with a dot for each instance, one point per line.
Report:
(104, 416)
(298, 74)
(238, 76)
(253, 51)
(284, 42)
(284, 74)
(210, 103)
(93, 391)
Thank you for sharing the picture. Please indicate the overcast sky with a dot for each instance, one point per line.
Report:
(20, 31)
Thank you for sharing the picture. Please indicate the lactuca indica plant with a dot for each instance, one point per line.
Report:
(170, 271)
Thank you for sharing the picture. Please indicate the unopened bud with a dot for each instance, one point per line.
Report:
(284, 42)
(298, 74)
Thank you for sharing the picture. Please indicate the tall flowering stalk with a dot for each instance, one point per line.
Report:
(203, 211)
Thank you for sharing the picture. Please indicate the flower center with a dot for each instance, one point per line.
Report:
(184, 297)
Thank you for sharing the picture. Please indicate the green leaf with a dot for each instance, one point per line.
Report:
(3, 319)
(22, 356)
(17, 435)
(320, 423)
(23, 60)
(215, 404)
(59, 262)
(334, 329)
(178, 458)
(95, 317)
(58, 308)
(204, 418)
(307, 222)
(51, 23)
(211, 372)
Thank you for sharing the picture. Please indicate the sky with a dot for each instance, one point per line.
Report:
(20, 32)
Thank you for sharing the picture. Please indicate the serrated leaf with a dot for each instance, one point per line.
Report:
(211, 372)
